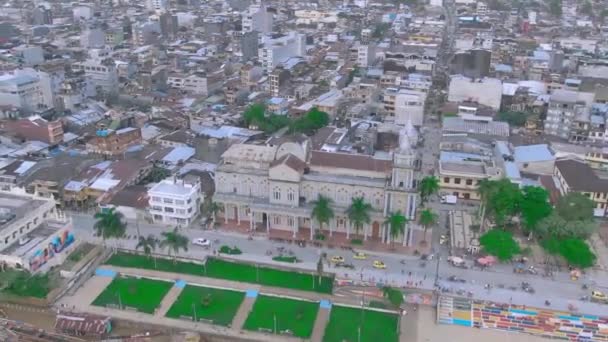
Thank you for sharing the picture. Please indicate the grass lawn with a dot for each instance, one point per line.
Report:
(268, 276)
(344, 323)
(293, 315)
(143, 294)
(217, 305)
(221, 269)
(122, 259)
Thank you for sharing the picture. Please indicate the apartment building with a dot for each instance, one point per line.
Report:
(100, 70)
(114, 142)
(463, 163)
(36, 128)
(363, 55)
(404, 105)
(175, 201)
(157, 5)
(196, 83)
(574, 175)
(272, 187)
(485, 91)
(278, 50)
(22, 91)
(257, 18)
(567, 109)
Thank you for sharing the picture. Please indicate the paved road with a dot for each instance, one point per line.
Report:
(400, 269)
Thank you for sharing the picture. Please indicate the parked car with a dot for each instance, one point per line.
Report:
(345, 265)
(201, 242)
(379, 264)
(360, 256)
(598, 296)
(337, 259)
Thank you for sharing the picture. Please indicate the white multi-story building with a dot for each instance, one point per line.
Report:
(197, 83)
(28, 90)
(100, 69)
(278, 50)
(157, 5)
(565, 108)
(405, 105)
(365, 54)
(175, 201)
(257, 18)
(485, 91)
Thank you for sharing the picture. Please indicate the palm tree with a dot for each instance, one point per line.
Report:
(427, 218)
(322, 211)
(485, 189)
(214, 208)
(148, 244)
(428, 186)
(174, 241)
(109, 224)
(396, 223)
(358, 213)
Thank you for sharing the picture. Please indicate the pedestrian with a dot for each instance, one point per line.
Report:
(425, 277)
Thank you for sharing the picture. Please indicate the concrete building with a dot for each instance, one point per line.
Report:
(30, 55)
(100, 70)
(278, 50)
(363, 54)
(404, 105)
(248, 44)
(33, 234)
(36, 128)
(92, 39)
(168, 25)
(175, 201)
(573, 175)
(157, 5)
(196, 83)
(114, 142)
(566, 109)
(27, 90)
(485, 91)
(257, 18)
(272, 187)
(41, 16)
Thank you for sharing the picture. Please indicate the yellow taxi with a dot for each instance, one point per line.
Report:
(336, 259)
(599, 296)
(360, 256)
(379, 264)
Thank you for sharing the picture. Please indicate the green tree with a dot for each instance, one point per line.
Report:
(603, 14)
(254, 114)
(394, 296)
(109, 224)
(555, 7)
(358, 213)
(534, 206)
(174, 241)
(575, 206)
(148, 244)
(310, 122)
(555, 226)
(396, 223)
(575, 251)
(517, 119)
(429, 185)
(586, 8)
(499, 243)
(322, 211)
(427, 218)
(486, 190)
(501, 199)
(214, 208)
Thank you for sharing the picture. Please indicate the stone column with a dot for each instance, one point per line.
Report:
(330, 224)
(382, 233)
(348, 230)
(251, 219)
(296, 226)
(225, 212)
(238, 214)
(267, 223)
(366, 226)
(312, 229)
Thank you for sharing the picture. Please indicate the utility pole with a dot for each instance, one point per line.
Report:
(437, 270)
(274, 316)
(194, 312)
(119, 301)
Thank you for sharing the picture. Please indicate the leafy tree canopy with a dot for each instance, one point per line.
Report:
(395, 296)
(256, 115)
(555, 226)
(517, 119)
(534, 206)
(575, 206)
(503, 200)
(499, 243)
(575, 251)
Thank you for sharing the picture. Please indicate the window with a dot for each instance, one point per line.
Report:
(290, 221)
(189, 210)
(277, 220)
(469, 182)
(179, 202)
(276, 194)
(156, 207)
(456, 180)
(169, 210)
(167, 200)
(156, 199)
(290, 196)
(36, 220)
(181, 211)
(446, 179)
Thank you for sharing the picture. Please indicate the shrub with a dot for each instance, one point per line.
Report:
(356, 241)
(230, 250)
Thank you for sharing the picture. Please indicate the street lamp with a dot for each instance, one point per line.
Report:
(194, 312)
(274, 316)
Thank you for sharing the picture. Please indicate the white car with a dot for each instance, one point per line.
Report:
(201, 242)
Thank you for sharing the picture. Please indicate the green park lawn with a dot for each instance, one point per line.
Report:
(216, 305)
(221, 269)
(344, 323)
(293, 315)
(142, 294)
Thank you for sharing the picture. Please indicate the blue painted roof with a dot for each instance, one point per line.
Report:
(512, 171)
(182, 153)
(532, 153)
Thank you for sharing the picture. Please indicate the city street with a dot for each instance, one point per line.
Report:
(400, 270)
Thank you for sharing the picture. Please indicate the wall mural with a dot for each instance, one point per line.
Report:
(57, 244)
